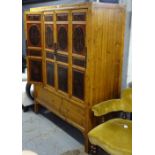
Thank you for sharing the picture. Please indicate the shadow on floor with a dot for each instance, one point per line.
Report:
(69, 129)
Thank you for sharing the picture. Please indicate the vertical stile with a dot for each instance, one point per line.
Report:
(43, 49)
(70, 53)
(55, 41)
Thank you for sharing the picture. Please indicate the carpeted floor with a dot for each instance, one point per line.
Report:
(46, 134)
(74, 152)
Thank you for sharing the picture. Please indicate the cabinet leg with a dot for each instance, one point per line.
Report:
(87, 143)
(36, 107)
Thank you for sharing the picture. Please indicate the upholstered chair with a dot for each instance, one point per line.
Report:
(115, 135)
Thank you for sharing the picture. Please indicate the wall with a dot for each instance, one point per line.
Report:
(127, 66)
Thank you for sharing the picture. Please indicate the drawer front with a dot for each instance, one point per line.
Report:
(49, 98)
(73, 112)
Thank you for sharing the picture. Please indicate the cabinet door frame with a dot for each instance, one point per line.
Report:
(69, 52)
(28, 47)
(45, 50)
(80, 56)
(63, 53)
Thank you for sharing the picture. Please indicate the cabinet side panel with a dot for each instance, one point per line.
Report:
(108, 43)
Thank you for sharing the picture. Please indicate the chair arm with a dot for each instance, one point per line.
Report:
(111, 106)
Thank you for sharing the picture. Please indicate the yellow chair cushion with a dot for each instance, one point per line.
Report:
(112, 106)
(113, 136)
(127, 94)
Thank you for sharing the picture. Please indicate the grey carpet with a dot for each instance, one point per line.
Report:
(74, 152)
(47, 137)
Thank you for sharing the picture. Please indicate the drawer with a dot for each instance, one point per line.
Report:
(73, 112)
(52, 100)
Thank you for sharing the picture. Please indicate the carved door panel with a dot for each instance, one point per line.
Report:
(78, 84)
(34, 47)
(35, 69)
(63, 78)
(49, 36)
(50, 73)
(78, 39)
(62, 37)
(34, 35)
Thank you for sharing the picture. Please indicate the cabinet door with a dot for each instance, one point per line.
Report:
(34, 47)
(62, 54)
(49, 49)
(79, 52)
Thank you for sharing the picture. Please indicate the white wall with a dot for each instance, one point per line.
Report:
(127, 62)
(129, 73)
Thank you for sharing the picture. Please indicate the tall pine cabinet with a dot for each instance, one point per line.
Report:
(74, 58)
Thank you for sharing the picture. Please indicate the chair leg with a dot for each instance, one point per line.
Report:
(93, 149)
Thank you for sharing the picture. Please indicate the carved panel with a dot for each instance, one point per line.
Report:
(78, 84)
(49, 38)
(62, 35)
(34, 53)
(50, 73)
(33, 17)
(63, 78)
(79, 62)
(79, 16)
(50, 55)
(34, 35)
(35, 70)
(62, 58)
(79, 39)
(62, 17)
(48, 18)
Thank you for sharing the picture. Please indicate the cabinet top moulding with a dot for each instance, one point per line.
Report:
(76, 6)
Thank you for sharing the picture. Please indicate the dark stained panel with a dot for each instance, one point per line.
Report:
(62, 17)
(49, 39)
(34, 53)
(79, 16)
(78, 84)
(33, 17)
(48, 18)
(34, 35)
(50, 73)
(79, 62)
(62, 36)
(35, 70)
(63, 78)
(62, 58)
(79, 39)
(50, 55)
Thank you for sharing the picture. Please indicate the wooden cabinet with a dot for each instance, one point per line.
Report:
(74, 58)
